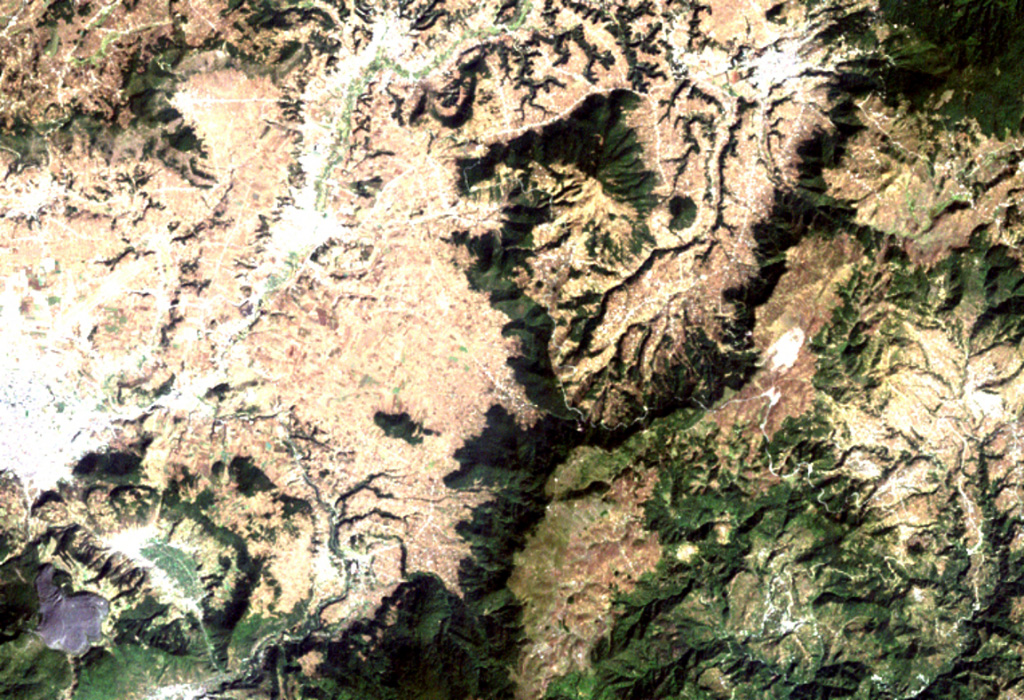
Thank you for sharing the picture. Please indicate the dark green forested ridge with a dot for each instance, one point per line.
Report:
(973, 47)
(790, 589)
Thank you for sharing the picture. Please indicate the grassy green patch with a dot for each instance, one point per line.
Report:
(177, 565)
(130, 671)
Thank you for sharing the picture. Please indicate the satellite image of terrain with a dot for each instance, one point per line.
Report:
(511, 349)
